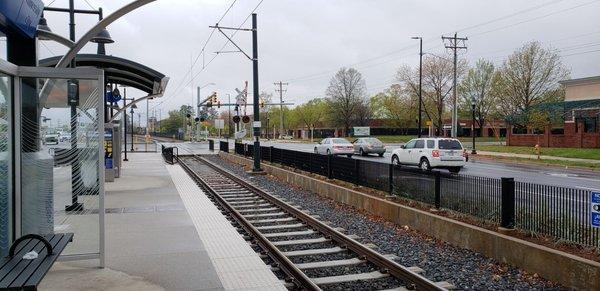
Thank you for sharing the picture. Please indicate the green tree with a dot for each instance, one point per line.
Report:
(480, 85)
(529, 77)
(397, 106)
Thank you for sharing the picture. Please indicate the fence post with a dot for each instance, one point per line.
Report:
(391, 179)
(438, 189)
(271, 154)
(329, 172)
(508, 203)
(356, 172)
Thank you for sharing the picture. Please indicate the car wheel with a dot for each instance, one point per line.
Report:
(395, 161)
(381, 155)
(455, 170)
(328, 152)
(424, 165)
(362, 152)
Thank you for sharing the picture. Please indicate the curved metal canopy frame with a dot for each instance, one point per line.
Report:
(119, 70)
(77, 46)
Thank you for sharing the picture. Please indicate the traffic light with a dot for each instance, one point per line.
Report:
(213, 98)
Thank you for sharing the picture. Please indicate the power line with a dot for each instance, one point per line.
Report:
(319, 75)
(535, 18)
(88, 3)
(510, 15)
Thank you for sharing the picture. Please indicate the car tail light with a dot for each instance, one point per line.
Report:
(435, 153)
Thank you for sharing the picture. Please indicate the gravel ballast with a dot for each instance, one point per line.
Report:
(466, 269)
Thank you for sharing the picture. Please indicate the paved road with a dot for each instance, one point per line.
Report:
(582, 179)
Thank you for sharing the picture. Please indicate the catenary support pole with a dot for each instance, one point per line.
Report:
(256, 124)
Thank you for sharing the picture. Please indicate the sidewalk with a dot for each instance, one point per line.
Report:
(163, 233)
(534, 157)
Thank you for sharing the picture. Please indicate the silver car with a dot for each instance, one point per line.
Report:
(334, 146)
(368, 145)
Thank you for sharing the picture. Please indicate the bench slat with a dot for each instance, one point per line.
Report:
(11, 263)
(35, 265)
(45, 266)
(22, 265)
(25, 245)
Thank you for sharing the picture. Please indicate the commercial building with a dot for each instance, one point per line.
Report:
(580, 113)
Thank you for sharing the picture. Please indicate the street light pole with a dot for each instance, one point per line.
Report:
(420, 82)
(473, 151)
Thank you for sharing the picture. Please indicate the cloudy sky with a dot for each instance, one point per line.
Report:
(305, 42)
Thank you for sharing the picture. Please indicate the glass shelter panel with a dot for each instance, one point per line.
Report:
(60, 156)
(6, 93)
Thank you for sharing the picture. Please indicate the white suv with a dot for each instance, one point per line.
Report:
(428, 153)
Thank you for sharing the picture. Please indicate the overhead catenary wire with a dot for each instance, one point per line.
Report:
(214, 56)
(202, 51)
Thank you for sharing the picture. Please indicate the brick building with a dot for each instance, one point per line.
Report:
(581, 111)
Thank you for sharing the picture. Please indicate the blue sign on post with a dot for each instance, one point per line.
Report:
(23, 15)
(595, 209)
(108, 148)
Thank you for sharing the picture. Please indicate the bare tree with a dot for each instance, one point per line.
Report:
(437, 85)
(345, 94)
(480, 85)
(530, 76)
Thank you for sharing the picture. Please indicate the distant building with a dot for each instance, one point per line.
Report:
(581, 113)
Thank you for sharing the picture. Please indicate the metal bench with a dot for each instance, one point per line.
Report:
(17, 273)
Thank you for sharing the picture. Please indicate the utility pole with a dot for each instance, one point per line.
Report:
(453, 43)
(420, 82)
(280, 90)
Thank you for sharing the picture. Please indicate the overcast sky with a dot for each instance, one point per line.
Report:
(305, 42)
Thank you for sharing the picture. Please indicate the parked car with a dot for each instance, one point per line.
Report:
(288, 137)
(334, 146)
(368, 145)
(429, 153)
(65, 137)
(50, 139)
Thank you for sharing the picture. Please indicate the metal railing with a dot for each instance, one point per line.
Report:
(559, 212)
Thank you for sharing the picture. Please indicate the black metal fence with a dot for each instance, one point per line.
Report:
(560, 212)
(170, 154)
(224, 146)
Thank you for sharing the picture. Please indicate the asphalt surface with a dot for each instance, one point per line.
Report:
(547, 175)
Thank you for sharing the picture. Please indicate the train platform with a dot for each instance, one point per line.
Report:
(163, 233)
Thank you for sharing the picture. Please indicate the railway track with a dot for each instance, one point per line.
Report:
(311, 254)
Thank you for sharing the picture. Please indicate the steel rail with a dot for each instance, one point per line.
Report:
(298, 277)
(393, 268)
